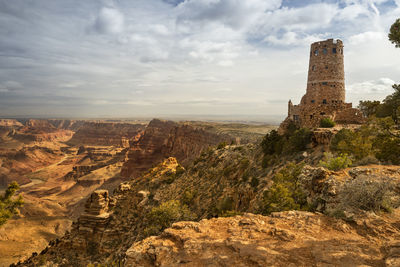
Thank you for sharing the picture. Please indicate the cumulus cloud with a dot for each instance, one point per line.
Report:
(109, 21)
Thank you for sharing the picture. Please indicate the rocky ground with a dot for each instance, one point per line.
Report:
(293, 238)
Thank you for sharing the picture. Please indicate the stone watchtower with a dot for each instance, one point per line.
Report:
(325, 94)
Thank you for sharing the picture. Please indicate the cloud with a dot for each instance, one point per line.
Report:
(151, 52)
(382, 85)
(109, 21)
(232, 13)
(366, 37)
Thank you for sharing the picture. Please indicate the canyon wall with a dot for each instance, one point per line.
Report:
(106, 134)
(163, 139)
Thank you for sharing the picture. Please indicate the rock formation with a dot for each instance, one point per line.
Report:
(162, 139)
(107, 134)
(292, 238)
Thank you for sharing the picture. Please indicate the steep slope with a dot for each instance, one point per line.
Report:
(162, 139)
(225, 182)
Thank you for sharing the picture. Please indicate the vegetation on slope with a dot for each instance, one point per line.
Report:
(9, 205)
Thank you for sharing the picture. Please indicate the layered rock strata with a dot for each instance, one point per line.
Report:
(162, 139)
(107, 134)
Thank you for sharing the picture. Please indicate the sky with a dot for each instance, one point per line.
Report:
(161, 58)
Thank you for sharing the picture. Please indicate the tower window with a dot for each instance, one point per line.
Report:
(313, 101)
(325, 51)
(334, 50)
(314, 68)
(324, 83)
(324, 101)
(316, 52)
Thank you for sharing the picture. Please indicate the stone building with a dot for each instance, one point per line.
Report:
(325, 95)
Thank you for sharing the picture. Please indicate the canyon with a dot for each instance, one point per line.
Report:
(60, 163)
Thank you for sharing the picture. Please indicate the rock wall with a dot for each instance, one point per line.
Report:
(163, 139)
(106, 134)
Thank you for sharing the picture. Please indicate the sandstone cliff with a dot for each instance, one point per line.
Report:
(39, 131)
(106, 134)
(162, 139)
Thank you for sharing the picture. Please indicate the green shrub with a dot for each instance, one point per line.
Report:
(222, 145)
(254, 182)
(388, 149)
(188, 197)
(286, 192)
(299, 140)
(272, 143)
(335, 163)
(292, 141)
(179, 170)
(8, 205)
(164, 215)
(327, 123)
(225, 205)
(358, 143)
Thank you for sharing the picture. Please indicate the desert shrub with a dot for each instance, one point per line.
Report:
(165, 214)
(286, 192)
(294, 140)
(358, 143)
(188, 197)
(335, 163)
(244, 164)
(8, 205)
(225, 204)
(388, 149)
(327, 123)
(179, 170)
(272, 143)
(222, 145)
(367, 195)
(367, 161)
(254, 182)
(299, 140)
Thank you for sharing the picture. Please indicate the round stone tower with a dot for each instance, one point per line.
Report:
(325, 84)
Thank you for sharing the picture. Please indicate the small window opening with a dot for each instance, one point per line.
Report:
(314, 68)
(324, 83)
(322, 113)
(316, 52)
(313, 101)
(324, 101)
(334, 50)
(325, 51)
(311, 116)
(326, 67)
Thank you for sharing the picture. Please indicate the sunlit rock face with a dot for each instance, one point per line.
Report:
(163, 139)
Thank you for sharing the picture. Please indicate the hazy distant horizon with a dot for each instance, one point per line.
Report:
(271, 120)
(166, 57)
